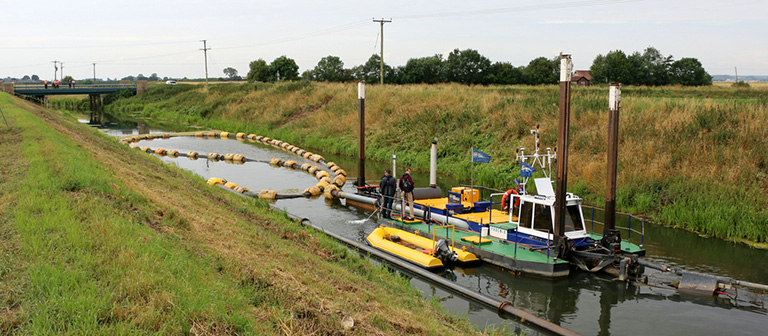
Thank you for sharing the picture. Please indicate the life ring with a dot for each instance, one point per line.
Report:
(505, 204)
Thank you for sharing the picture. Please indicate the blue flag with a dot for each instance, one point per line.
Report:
(526, 170)
(478, 156)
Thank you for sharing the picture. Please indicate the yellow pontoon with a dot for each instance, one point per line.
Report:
(416, 249)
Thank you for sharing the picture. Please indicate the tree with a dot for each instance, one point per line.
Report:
(230, 72)
(542, 71)
(423, 70)
(259, 71)
(283, 68)
(67, 79)
(154, 77)
(35, 78)
(308, 75)
(26, 77)
(689, 71)
(654, 68)
(467, 67)
(613, 67)
(330, 69)
(505, 73)
(370, 71)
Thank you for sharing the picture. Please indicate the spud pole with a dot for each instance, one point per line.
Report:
(614, 104)
(562, 148)
(361, 141)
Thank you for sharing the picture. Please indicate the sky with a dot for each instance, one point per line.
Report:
(165, 36)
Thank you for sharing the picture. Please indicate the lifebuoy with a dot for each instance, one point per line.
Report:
(505, 204)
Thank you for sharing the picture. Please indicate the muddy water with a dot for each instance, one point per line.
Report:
(586, 303)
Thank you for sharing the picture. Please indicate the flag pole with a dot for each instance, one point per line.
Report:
(472, 163)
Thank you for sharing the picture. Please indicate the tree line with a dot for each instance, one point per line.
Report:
(470, 67)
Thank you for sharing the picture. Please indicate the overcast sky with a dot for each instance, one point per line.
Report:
(164, 36)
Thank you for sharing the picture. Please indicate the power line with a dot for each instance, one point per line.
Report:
(100, 46)
(558, 5)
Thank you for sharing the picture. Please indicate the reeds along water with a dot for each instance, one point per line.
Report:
(690, 157)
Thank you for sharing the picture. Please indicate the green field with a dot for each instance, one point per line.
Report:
(692, 158)
(100, 239)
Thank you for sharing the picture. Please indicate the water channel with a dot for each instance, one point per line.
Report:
(586, 303)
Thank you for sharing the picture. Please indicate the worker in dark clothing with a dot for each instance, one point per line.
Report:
(387, 189)
(406, 185)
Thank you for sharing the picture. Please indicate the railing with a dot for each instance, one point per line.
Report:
(77, 86)
(623, 229)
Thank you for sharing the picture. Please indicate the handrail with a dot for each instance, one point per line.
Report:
(453, 235)
(628, 228)
(66, 86)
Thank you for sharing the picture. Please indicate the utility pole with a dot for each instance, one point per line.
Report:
(737, 73)
(382, 21)
(94, 72)
(205, 52)
(62, 70)
(55, 69)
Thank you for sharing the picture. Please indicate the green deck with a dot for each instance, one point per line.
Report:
(499, 252)
(625, 245)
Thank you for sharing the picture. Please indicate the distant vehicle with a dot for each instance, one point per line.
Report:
(171, 82)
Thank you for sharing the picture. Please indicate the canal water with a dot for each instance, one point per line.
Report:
(586, 303)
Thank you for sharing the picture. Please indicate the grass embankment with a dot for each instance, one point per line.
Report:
(692, 158)
(97, 238)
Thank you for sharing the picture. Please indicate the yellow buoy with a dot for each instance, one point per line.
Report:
(267, 194)
(216, 180)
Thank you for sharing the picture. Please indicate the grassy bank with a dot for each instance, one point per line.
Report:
(692, 158)
(97, 238)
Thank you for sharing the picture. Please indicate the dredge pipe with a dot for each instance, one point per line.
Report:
(418, 212)
(721, 279)
(502, 307)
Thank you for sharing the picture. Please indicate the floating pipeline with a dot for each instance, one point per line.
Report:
(241, 137)
(326, 185)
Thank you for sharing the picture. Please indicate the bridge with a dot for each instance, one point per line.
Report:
(95, 92)
(40, 90)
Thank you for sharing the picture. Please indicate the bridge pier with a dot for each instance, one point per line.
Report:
(97, 108)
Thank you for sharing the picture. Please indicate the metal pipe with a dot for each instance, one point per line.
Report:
(614, 104)
(361, 136)
(679, 271)
(418, 212)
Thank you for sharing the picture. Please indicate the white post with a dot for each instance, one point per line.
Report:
(394, 169)
(433, 165)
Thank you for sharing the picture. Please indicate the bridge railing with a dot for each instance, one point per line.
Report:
(77, 86)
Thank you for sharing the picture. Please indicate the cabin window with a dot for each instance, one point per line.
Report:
(526, 213)
(573, 219)
(542, 218)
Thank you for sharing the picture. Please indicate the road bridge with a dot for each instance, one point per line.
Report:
(40, 90)
(95, 92)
